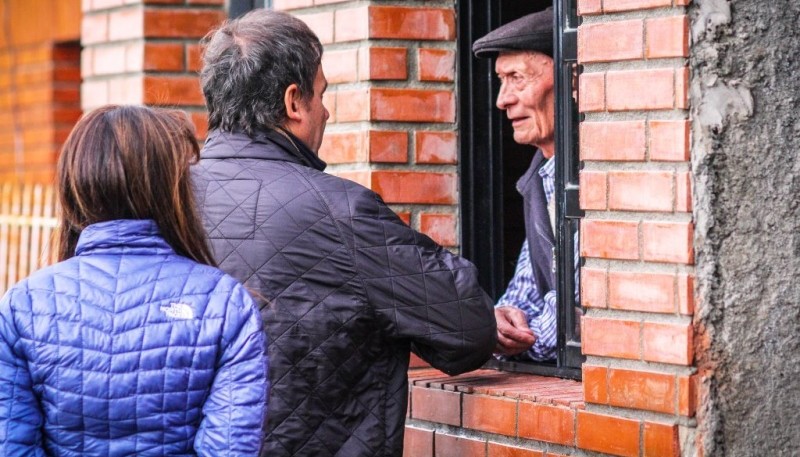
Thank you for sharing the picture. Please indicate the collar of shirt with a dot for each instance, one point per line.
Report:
(548, 174)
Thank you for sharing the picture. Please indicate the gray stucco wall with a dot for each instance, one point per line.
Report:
(745, 94)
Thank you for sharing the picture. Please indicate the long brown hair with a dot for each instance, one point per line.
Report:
(131, 162)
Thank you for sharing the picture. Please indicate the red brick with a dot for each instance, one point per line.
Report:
(619, 140)
(361, 177)
(594, 190)
(382, 63)
(634, 291)
(661, 440)
(608, 434)
(405, 216)
(669, 140)
(502, 450)
(436, 64)
(340, 66)
(351, 24)
(163, 57)
(168, 23)
(640, 191)
(611, 41)
(172, 90)
(686, 294)
(640, 89)
(667, 343)
(387, 146)
(683, 192)
(393, 22)
(200, 121)
(415, 361)
(412, 105)
(94, 28)
(610, 337)
(343, 147)
(456, 446)
(614, 6)
(609, 239)
(417, 442)
(490, 414)
(595, 384)
(668, 242)
(283, 5)
(322, 24)
(436, 147)
(415, 187)
(440, 227)
(125, 24)
(592, 92)
(594, 288)
(687, 395)
(194, 54)
(642, 390)
(682, 88)
(547, 423)
(589, 7)
(667, 37)
(354, 105)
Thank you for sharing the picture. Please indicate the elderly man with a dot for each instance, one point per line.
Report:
(526, 313)
(349, 290)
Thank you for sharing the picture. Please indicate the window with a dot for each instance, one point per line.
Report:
(237, 8)
(491, 162)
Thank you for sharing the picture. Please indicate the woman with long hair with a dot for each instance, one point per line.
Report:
(134, 343)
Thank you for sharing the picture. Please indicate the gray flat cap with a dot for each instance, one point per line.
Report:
(533, 32)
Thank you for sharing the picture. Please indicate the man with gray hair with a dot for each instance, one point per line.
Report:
(348, 290)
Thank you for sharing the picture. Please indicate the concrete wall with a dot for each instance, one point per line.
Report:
(745, 85)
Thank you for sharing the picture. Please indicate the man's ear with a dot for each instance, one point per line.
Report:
(291, 98)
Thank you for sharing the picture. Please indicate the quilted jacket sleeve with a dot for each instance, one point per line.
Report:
(235, 411)
(20, 416)
(421, 292)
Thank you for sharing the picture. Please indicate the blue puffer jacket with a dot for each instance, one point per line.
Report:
(129, 349)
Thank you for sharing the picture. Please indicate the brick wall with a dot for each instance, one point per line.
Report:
(391, 72)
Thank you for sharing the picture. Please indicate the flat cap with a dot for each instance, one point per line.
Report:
(533, 32)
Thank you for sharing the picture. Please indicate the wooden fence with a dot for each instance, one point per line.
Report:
(27, 230)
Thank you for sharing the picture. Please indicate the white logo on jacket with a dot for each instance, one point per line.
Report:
(178, 311)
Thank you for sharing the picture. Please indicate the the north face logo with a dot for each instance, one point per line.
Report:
(178, 311)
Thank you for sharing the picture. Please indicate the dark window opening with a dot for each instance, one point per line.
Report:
(238, 8)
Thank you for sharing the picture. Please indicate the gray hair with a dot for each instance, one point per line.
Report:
(249, 62)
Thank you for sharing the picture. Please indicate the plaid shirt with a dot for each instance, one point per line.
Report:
(522, 292)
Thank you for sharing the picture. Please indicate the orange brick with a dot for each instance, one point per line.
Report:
(343, 147)
(321, 24)
(683, 192)
(172, 90)
(609, 239)
(669, 140)
(490, 414)
(687, 395)
(611, 41)
(350, 24)
(640, 191)
(440, 227)
(667, 343)
(180, 23)
(682, 88)
(594, 288)
(608, 434)
(417, 442)
(436, 147)
(634, 291)
(591, 92)
(456, 446)
(610, 337)
(640, 89)
(382, 63)
(340, 66)
(412, 105)
(200, 121)
(642, 390)
(502, 450)
(361, 177)
(414, 361)
(614, 6)
(415, 187)
(667, 37)
(436, 64)
(619, 140)
(589, 7)
(405, 216)
(595, 385)
(401, 23)
(163, 57)
(594, 190)
(686, 294)
(194, 54)
(668, 242)
(388, 146)
(661, 440)
(354, 105)
(546, 423)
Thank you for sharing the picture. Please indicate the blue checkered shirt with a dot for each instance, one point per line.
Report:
(522, 292)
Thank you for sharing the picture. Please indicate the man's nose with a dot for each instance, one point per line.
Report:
(504, 98)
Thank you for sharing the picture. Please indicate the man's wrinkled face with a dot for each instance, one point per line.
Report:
(315, 114)
(527, 96)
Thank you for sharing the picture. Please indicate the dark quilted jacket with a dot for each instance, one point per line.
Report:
(129, 349)
(351, 291)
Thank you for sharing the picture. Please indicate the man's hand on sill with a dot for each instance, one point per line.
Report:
(513, 334)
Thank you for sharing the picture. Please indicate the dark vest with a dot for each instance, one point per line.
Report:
(541, 239)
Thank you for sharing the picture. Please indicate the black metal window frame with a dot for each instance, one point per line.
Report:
(237, 8)
(481, 169)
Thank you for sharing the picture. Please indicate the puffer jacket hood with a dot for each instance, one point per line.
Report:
(129, 349)
(351, 290)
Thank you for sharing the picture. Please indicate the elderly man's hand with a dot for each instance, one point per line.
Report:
(513, 334)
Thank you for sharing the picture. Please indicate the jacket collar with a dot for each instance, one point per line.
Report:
(226, 145)
(129, 236)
